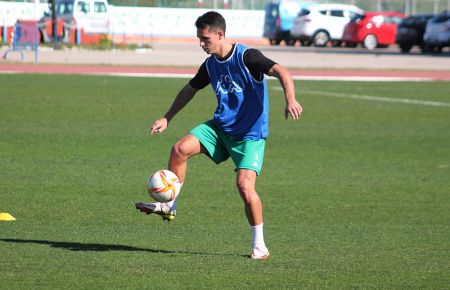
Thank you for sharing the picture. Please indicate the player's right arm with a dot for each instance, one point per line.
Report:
(183, 97)
(198, 82)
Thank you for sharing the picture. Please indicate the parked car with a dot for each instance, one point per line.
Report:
(92, 16)
(278, 20)
(373, 29)
(410, 31)
(323, 23)
(437, 33)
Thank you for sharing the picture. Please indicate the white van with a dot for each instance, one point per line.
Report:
(90, 15)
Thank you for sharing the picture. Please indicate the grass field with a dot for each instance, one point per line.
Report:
(356, 194)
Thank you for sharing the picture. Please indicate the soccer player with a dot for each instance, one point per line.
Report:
(240, 123)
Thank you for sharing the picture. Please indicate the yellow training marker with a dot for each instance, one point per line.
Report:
(4, 216)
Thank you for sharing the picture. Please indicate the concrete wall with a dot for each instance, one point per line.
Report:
(151, 22)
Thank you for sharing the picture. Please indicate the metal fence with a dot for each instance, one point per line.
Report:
(406, 6)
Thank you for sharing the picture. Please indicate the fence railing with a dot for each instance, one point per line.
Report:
(24, 36)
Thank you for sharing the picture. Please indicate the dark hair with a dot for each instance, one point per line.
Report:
(211, 19)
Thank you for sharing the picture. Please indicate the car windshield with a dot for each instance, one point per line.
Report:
(441, 18)
(410, 21)
(415, 20)
(357, 18)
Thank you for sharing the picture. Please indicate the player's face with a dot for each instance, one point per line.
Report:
(209, 40)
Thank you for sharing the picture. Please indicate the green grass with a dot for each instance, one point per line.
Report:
(356, 194)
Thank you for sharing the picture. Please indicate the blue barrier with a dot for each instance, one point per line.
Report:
(5, 33)
(25, 35)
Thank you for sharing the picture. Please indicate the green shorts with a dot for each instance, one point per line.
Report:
(246, 154)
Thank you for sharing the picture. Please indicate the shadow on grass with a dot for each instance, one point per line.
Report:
(72, 246)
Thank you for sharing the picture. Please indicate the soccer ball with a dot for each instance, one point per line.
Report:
(163, 185)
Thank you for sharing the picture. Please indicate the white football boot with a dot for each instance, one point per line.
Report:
(260, 254)
(162, 209)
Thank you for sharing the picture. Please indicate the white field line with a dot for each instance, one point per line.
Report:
(147, 75)
(374, 98)
(117, 74)
(309, 78)
(362, 79)
(329, 94)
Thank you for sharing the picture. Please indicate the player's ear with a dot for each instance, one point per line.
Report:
(221, 34)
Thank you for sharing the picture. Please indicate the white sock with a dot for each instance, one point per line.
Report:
(258, 237)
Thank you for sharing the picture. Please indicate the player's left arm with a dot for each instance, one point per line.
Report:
(293, 107)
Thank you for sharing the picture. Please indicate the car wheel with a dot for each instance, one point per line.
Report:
(423, 48)
(432, 48)
(427, 48)
(290, 42)
(370, 42)
(321, 38)
(305, 43)
(405, 48)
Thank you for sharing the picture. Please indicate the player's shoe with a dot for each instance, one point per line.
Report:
(258, 254)
(168, 214)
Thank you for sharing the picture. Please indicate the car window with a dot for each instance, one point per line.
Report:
(83, 7)
(272, 11)
(304, 12)
(324, 12)
(395, 19)
(425, 18)
(337, 13)
(64, 8)
(99, 7)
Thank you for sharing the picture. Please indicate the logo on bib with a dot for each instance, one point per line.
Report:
(226, 85)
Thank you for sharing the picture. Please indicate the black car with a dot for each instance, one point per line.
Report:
(410, 31)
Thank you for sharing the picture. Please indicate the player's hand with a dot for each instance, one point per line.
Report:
(159, 126)
(294, 109)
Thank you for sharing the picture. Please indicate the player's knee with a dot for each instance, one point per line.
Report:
(177, 150)
(180, 150)
(246, 189)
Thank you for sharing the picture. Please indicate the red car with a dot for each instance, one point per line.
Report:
(372, 29)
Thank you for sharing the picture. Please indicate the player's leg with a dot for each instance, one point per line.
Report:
(248, 156)
(246, 184)
(201, 139)
(187, 147)
(184, 149)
